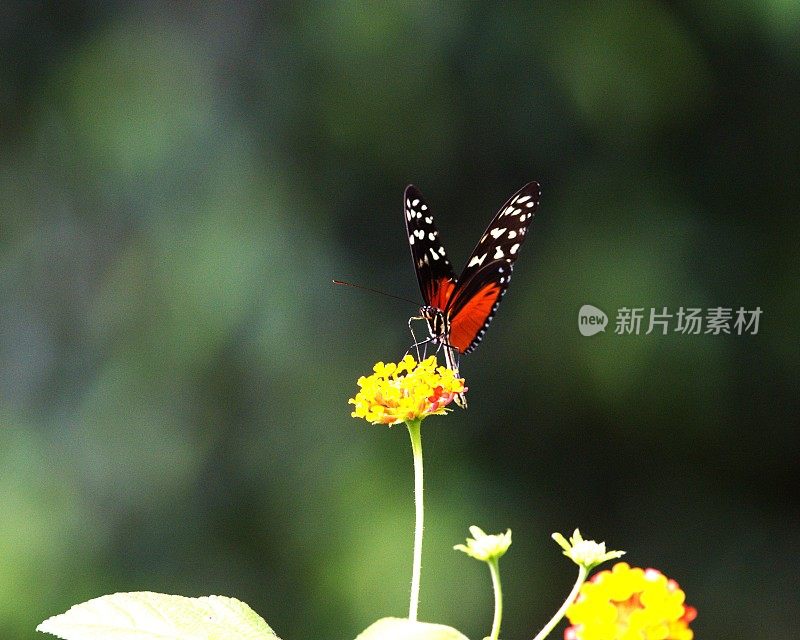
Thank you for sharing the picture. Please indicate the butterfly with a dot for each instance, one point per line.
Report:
(458, 311)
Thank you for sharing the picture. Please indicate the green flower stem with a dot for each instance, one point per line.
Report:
(494, 569)
(582, 573)
(416, 447)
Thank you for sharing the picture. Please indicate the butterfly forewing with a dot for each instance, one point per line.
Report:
(434, 271)
(487, 273)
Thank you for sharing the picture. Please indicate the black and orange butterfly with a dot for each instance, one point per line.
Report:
(457, 311)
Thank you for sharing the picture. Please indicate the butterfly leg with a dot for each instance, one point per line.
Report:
(417, 343)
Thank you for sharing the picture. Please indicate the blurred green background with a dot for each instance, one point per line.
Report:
(179, 184)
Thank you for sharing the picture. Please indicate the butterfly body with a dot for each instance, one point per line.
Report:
(438, 326)
(458, 310)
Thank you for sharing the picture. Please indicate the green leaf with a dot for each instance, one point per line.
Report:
(144, 615)
(404, 629)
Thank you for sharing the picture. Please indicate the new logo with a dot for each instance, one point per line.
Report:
(591, 320)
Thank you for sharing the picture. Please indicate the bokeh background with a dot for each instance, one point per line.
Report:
(179, 182)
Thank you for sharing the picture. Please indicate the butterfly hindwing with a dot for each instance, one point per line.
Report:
(486, 276)
(477, 303)
(434, 271)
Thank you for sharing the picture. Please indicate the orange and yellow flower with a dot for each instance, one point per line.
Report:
(628, 603)
(406, 391)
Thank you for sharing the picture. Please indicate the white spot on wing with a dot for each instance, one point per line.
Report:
(411, 239)
(415, 203)
(496, 233)
(523, 199)
(477, 260)
(514, 248)
(512, 235)
(434, 254)
(498, 254)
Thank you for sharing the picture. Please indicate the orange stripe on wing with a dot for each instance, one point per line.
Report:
(471, 318)
(439, 292)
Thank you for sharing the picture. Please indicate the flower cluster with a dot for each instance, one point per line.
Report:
(408, 390)
(485, 547)
(586, 553)
(628, 603)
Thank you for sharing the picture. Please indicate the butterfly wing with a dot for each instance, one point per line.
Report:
(484, 280)
(434, 271)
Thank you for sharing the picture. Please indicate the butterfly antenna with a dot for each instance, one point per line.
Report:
(383, 293)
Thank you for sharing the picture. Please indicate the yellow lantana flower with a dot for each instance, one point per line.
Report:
(628, 603)
(408, 390)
